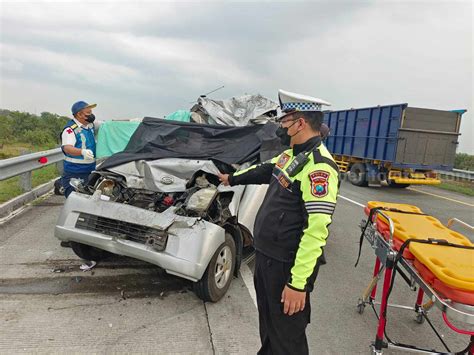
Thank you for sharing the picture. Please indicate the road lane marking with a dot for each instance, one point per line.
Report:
(354, 202)
(446, 198)
(247, 277)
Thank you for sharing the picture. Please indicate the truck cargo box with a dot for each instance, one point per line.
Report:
(407, 137)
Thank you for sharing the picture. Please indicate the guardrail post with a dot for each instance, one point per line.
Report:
(25, 181)
(60, 166)
(25, 178)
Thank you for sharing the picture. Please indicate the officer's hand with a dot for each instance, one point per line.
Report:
(87, 154)
(293, 301)
(224, 178)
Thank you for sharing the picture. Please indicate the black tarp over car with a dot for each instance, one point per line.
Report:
(157, 138)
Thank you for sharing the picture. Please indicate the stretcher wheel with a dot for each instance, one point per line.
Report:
(419, 318)
(360, 306)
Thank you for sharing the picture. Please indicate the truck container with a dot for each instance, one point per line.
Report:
(399, 144)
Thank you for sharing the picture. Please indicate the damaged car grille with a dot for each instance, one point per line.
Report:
(152, 237)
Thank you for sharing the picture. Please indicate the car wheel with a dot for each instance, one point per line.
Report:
(87, 252)
(358, 175)
(219, 273)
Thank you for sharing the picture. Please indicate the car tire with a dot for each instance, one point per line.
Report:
(87, 252)
(397, 186)
(358, 175)
(219, 273)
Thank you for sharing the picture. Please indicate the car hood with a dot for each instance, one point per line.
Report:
(163, 175)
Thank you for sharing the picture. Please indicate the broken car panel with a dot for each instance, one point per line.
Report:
(160, 201)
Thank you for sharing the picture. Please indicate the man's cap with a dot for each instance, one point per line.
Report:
(81, 105)
(291, 102)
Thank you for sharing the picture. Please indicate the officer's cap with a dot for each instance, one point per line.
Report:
(81, 105)
(291, 102)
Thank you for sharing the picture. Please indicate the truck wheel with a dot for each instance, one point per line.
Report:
(358, 175)
(87, 252)
(219, 273)
(398, 186)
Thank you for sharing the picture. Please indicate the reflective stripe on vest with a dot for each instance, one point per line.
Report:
(84, 140)
(78, 161)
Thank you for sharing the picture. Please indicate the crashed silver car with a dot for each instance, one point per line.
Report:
(160, 201)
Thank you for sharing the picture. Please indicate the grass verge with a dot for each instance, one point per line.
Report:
(10, 188)
(10, 150)
(464, 188)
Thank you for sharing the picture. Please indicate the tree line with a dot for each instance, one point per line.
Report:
(23, 127)
(44, 131)
(464, 161)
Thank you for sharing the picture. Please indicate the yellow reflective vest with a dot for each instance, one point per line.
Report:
(292, 222)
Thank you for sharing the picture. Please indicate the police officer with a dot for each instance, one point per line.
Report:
(78, 145)
(291, 226)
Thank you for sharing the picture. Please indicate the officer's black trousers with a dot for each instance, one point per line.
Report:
(279, 333)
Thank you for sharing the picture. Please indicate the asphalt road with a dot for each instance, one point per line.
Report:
(48, 305)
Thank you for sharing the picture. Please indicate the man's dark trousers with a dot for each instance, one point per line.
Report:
(66, 178)
(279, 332)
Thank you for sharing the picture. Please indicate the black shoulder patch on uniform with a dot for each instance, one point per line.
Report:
(318, 158)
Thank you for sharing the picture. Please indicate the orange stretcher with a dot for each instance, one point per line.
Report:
(428, 254)
(448, 270)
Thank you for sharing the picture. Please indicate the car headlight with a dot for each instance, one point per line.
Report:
(201, 200)
(107, 187)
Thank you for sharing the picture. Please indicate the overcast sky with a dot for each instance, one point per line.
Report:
(138, 59)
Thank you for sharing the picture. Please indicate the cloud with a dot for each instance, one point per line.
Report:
(11, 65)
(151, 58)
(68, 67)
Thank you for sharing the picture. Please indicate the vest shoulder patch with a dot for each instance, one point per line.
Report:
(319, 182)
(283, 160)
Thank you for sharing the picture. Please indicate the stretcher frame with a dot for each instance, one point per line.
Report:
(385, 264)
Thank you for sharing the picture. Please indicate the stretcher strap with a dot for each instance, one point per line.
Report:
(457, 330)
(369, 219)
(361, 240)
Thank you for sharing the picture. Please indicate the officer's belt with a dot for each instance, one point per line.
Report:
(279, 253)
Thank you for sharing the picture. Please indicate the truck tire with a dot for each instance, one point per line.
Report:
(395, 185)
(87, 252)
(219, 273)
(358, 175)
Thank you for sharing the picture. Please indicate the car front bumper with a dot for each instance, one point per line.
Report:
(188, 248)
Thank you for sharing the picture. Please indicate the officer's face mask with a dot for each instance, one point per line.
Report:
(282, 133)
(90, 118)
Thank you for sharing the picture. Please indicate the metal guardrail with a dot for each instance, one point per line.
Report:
(458, 174)
(24, 164)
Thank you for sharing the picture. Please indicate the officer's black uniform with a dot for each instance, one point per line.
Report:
(290, 232)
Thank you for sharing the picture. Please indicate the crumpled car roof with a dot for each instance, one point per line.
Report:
(157, 138)
(236, 111)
